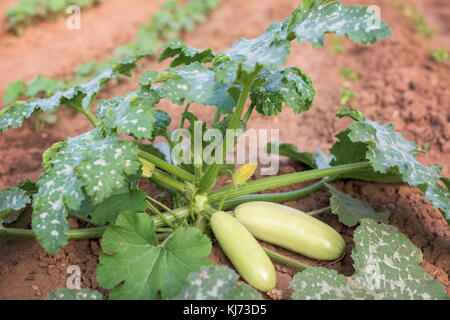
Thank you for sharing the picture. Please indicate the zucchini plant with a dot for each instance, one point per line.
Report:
(96, 176)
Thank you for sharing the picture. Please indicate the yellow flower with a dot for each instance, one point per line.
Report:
(243, 174)
(147, 168)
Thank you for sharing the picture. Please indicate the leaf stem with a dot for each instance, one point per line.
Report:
(88, 115)
(210, 177)
(285, 260)
(318, 211)
(159, 214)
(273, 197)
(93, 233)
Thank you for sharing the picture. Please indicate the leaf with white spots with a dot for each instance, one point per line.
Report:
(387, 266)
(14, 115)
(269, 49)
(350, 210)
(283, 87)
(132, 115)
(134, 266)
(313, 18)
(107, 166)
(80, 96)
(196, 83)
(184, 54)
(216, 283)
(75, 294)
(12, 199)
(85, 167)
(391, 156)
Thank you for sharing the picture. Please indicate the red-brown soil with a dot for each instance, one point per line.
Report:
(398, 82)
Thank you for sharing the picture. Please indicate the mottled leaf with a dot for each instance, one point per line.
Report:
(184, 54)
(390, 154)
(12, 199)
(283, 87)
(313, 18)
(269, 49)
(350, 210)
(132, 115)
(387, 266)
(216, 283)
(134, 266)
(196, 83)
(90, 162)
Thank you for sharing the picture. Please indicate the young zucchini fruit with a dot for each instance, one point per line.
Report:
(244, 251)
(291, 229)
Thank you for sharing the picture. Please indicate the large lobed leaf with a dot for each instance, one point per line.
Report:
(283, 87)
(134, 266)
(313, 18)
(216, 283)
(386, 267)
(101, 166)
(132, 115)
(391, 156)
(80, 96)
(196, 83)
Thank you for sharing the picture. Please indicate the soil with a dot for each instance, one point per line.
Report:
(398, 82)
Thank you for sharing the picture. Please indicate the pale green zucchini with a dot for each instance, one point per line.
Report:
(291, 229)
(244, 251)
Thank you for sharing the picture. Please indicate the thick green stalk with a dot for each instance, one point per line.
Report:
(272, 197)
(285, 180)
(176, 171)
(167, 180)
(92, 233)
(159, 214)
(209, 178)
(285, 260)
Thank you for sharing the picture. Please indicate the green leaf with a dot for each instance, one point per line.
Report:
(185, 55)
(387, 266)
(90, 162)
(162, 121)
(283, 86)
(389, 153)
(79, 96)
(133, 200)
(76, 294)
(13, 91)
(351, 211)
(216, 283)
(313, 18)
(446, 181)
(43, 85)
(14, 115)
(148, 77)
(107, 166)
(196, 83)
(139, 268)
(269, 49)
(12, 199)
(132, 115)
(354, 114)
